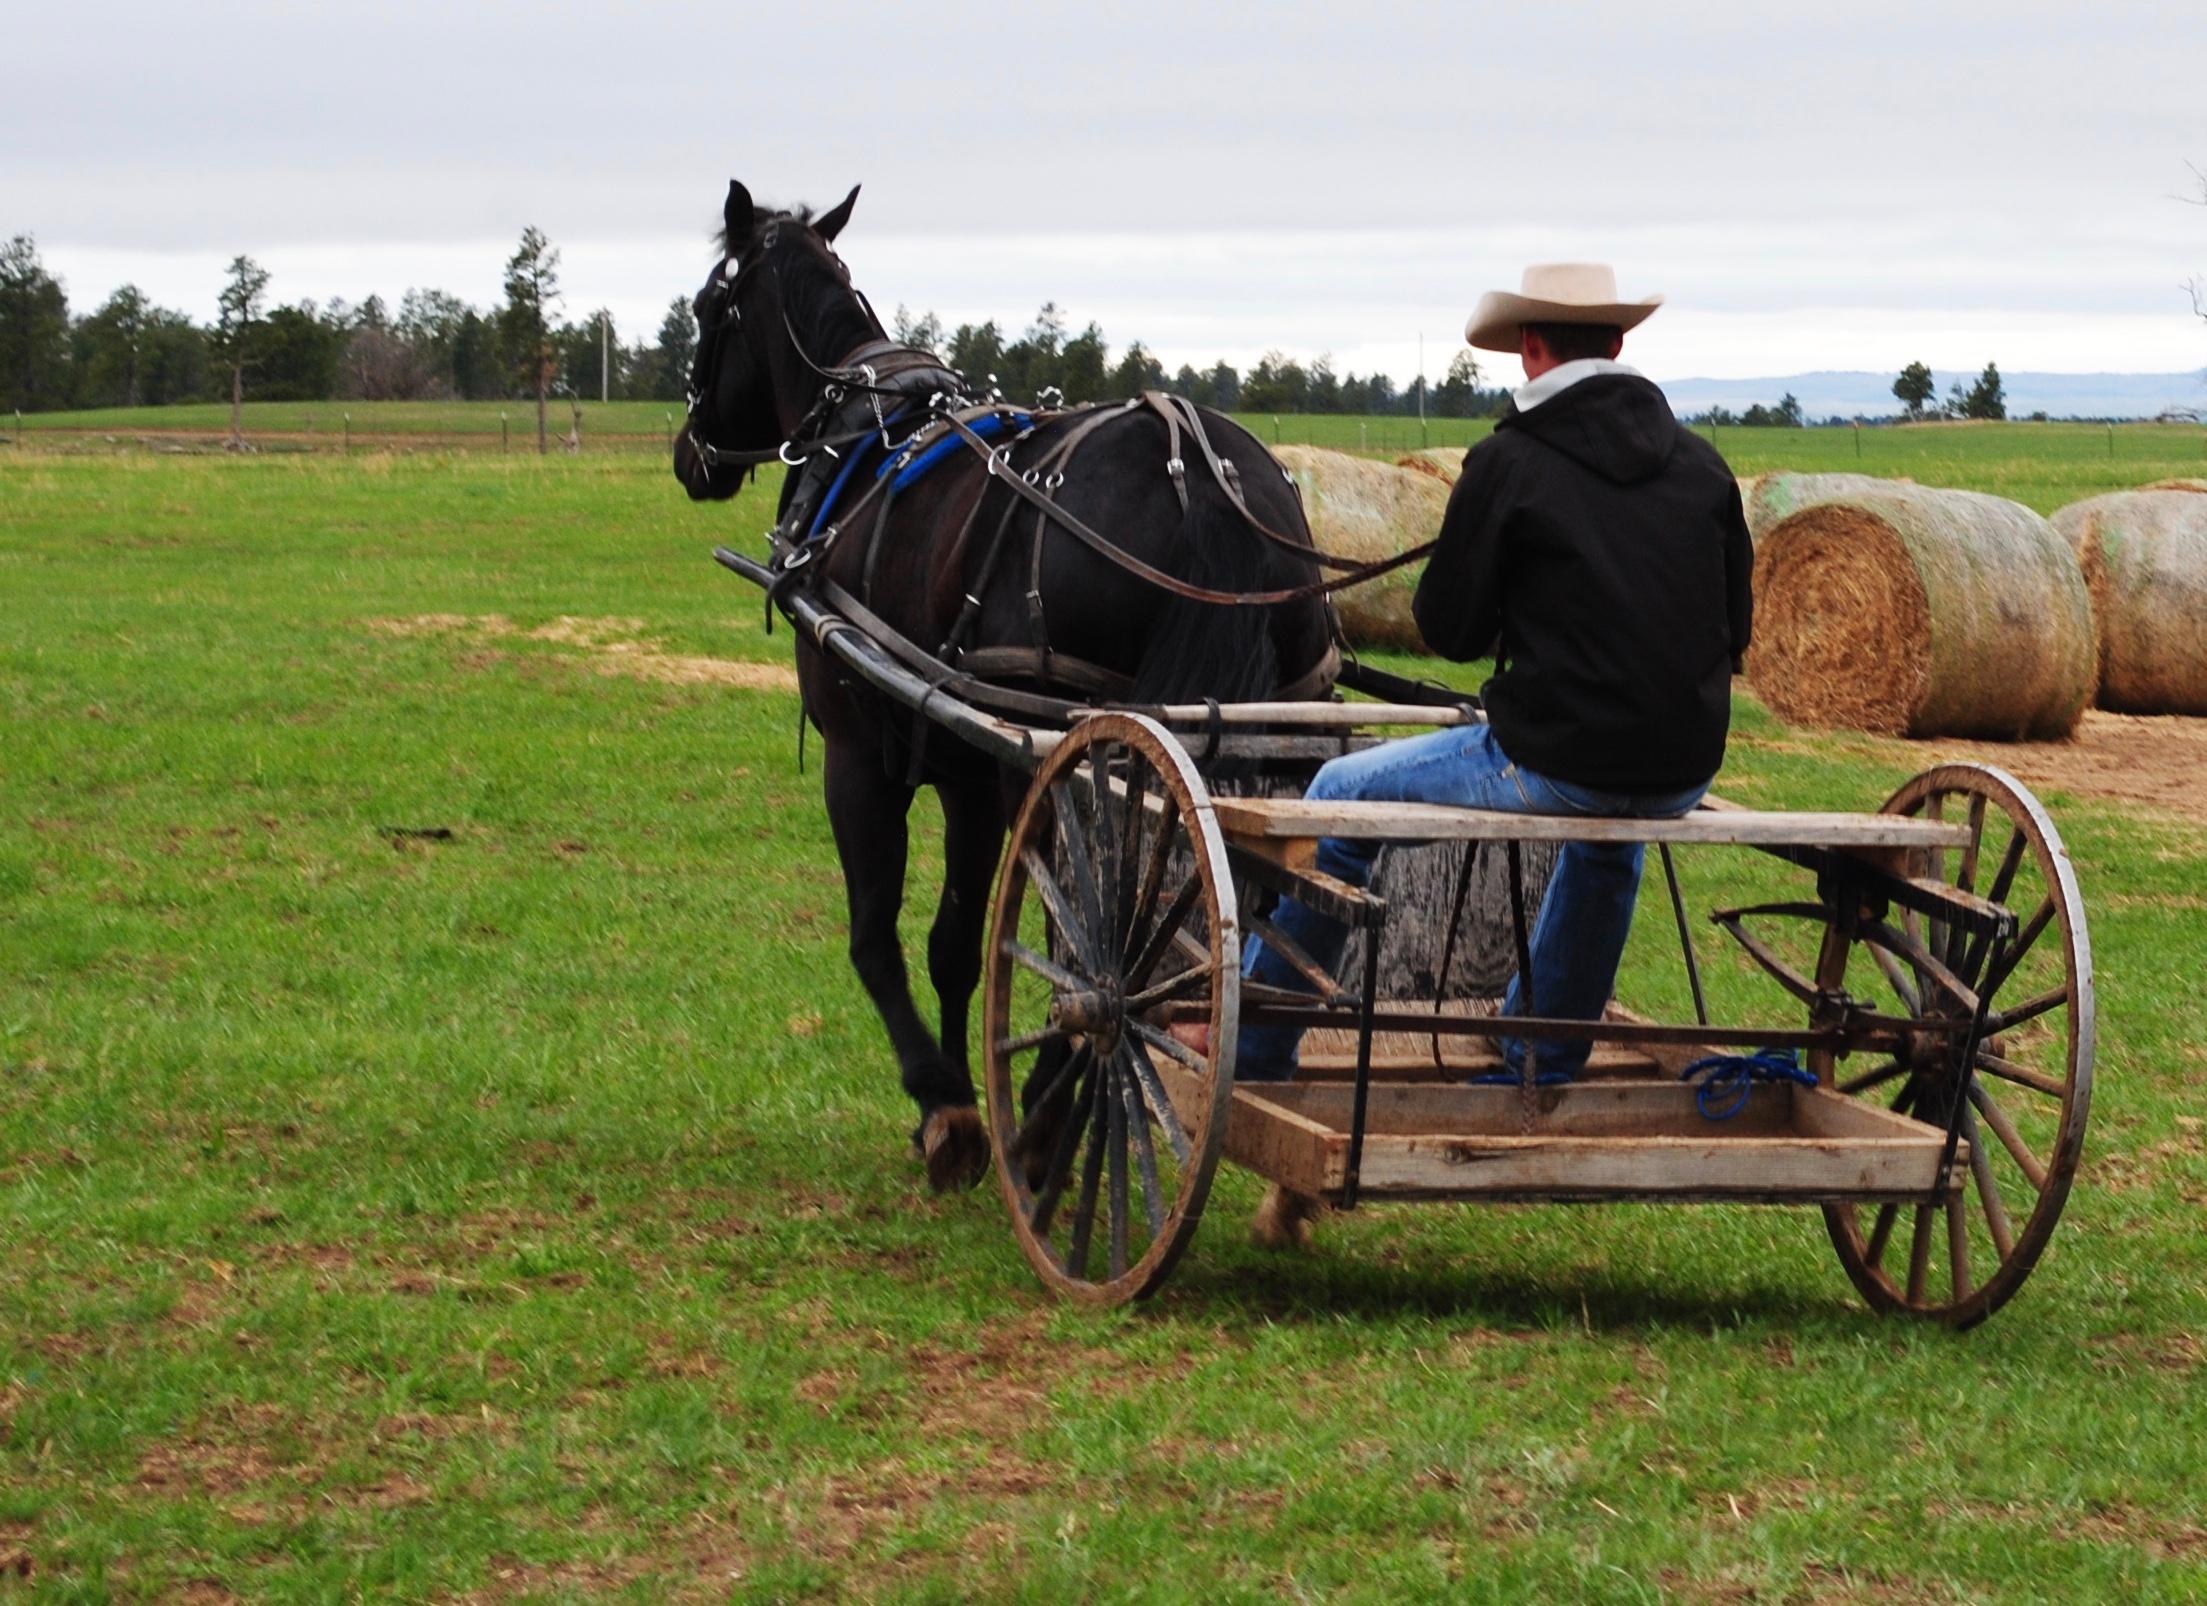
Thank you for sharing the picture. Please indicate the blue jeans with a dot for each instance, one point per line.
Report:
(1579, 939)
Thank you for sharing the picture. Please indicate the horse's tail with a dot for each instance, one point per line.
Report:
(1194, 650)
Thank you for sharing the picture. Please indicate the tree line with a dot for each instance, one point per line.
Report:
(130, 352)
(1047, 357)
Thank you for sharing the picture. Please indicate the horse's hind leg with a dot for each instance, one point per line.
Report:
(953, 1139)
(867, 809)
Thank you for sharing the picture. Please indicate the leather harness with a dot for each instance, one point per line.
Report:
(870, 392)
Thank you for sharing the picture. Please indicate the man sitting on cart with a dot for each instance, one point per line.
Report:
(1598, 550)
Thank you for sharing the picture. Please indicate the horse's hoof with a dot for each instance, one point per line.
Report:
(1283, 1220)
(955, 1146)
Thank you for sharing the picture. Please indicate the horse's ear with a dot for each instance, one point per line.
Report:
(832, 224)
(737, 218)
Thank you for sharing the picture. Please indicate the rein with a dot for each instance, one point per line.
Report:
(1109, 550)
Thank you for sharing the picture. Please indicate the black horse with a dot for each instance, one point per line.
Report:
(792, 363)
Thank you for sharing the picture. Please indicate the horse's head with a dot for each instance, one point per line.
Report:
(777, 308)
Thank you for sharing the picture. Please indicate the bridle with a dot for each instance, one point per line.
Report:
(846, 378)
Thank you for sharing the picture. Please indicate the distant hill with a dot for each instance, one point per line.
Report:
(1871, 395)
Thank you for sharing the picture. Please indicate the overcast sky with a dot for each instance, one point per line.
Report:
(1848, 186)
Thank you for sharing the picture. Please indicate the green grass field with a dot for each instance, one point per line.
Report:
(2043, 465)
(525, 1213)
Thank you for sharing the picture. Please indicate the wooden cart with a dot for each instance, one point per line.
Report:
(1931, 957)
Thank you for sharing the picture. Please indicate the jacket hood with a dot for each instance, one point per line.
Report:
(1620, 426)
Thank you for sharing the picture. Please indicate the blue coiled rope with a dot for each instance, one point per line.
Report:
(1728, 1080)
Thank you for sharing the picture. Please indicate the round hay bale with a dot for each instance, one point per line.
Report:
(1444, 463)
(2144, 557)
(1418, 880)
(1916, 612)
(2177, 485)
(1367, 511)
(1770, 498)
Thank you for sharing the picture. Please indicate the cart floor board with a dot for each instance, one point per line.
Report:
(1595, 1140)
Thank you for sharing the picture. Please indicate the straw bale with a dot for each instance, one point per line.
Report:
(1418, 880)
(2177, 485)
(1365, 510)
(1769, 498)
(1444, 463)
(2144, 557)
(1918, 612)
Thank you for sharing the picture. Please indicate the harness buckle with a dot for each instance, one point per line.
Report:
(1176, 468)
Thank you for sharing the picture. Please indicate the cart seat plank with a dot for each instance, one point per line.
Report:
(1291, 819)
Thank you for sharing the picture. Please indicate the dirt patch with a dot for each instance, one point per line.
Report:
(2155, 760)
(194, 1465)
(612, 646)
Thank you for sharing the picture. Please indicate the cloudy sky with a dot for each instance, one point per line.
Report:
(1848, 186)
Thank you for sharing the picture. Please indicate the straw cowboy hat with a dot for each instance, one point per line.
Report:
(1554, 292)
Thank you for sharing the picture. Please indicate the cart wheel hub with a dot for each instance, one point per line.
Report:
(1096, 1013)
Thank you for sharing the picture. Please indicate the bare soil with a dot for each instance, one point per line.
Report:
(611, 646)
(2157, 761)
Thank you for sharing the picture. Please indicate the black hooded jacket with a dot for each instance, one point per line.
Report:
(1598, 549)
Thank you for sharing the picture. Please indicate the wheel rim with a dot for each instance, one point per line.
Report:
(2029, 1090)
(1113, 908)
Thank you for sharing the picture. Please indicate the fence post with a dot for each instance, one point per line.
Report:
(505, 439)
(348, 434)
(670, 432)
(1858, 440)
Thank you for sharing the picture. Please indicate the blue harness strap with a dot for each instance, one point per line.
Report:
(835, 488)
(989, 424)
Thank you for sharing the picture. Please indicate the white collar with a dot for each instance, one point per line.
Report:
(1563, 376)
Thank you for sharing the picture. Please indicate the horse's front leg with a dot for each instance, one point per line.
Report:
(973, 839)
(956, 1144)
(867, 809)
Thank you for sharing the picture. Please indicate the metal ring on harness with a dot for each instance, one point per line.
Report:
(792, 462)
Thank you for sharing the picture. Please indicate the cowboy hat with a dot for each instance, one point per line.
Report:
(1554, 292)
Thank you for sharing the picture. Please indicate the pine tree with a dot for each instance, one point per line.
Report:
(238, 328)
(532, 291)
(1988, 398)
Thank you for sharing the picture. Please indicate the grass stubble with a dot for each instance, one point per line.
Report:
(443, 1152)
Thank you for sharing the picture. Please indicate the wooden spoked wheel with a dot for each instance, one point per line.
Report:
(2027, 1090)
(1114, 907)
